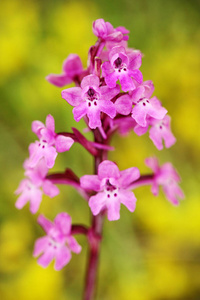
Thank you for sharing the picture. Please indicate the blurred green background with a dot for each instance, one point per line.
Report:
(154, 253)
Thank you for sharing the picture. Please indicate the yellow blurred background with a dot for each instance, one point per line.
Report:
(154, 253)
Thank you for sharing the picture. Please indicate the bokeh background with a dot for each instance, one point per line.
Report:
(154, 253)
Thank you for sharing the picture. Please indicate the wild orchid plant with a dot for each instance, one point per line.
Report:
(107, 107)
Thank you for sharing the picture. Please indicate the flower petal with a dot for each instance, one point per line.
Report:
(45, 223)
(90, 80)
(73, 245)
(90, 182)
(108, 108)
(63, 223)
(113, 210)
(62, 256)
(72, 65)
(72, 95)
(45, 259)
(80, 111)
(63, 143)
(97, 202)
(123, 105)
(128, 199)
(40, 246)
(108, 169)
(50, 189)
(128, 176)
(94, 118)
(59, 80)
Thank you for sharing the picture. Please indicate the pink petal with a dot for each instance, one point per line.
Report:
(50, 123)
(149, 88)
(63, 223)
(62, 256)
(73, 245)
(36, 154)
(128, 176)
(139, 130)
(45, 259)
(90, 182)
(135, 60)
(128, 199)
(136, 74)
(63, 143)
(22, 200)
(97, 202)
(72, 95)
(108, 108)
(80, 111)
(126, 83)
(152, 163)
(99, 28)
(107, 93)
(106, 68)
(113, 210)
(35, 200)
(108, 169)
(36, 127)
(50, 189)
(115, 52)
(50, 156)
(90, 80)
(94, 118)
(137, 93)
(72, 65)
(59, 80)
(45, 223)
(40, 246)
(123, 105)
(111, 80)
(21, 186)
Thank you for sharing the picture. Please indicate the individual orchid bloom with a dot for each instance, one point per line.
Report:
(72, 68)
(57, 244)
(49, 143)
(160, 130)
(106, 32)
(167, 177)
(32, 188)
(111, 186)
(91, 100)
(123, 66)
(144, 106)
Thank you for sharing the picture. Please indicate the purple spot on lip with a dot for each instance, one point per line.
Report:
(95, 103)
(115, 194)
(108, 195)
(144, 104)
(89, 103)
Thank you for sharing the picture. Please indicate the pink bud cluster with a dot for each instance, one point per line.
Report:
(110, 95)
